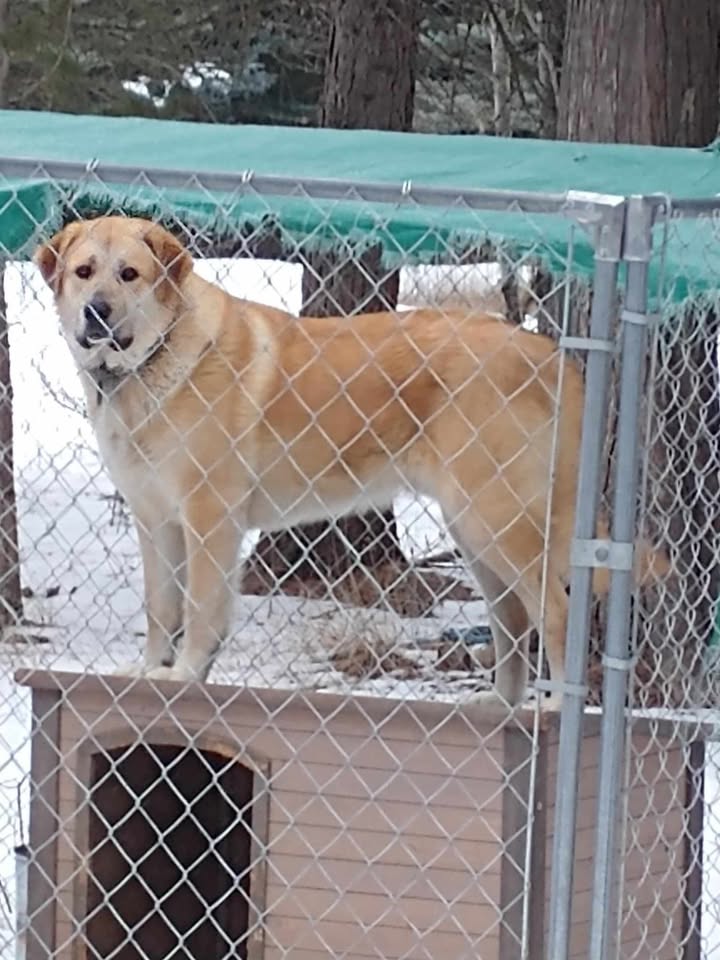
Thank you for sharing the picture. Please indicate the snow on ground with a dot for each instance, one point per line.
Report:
(80, 558)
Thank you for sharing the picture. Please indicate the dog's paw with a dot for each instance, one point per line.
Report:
(493, 700)
(178, 674)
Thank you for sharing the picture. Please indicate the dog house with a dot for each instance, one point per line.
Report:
(255, 823)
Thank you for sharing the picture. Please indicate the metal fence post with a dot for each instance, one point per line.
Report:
(616, 659)
(599, 346)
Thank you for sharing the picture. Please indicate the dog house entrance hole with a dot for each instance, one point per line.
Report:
(170, 855)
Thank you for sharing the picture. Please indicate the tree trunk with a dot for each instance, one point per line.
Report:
(501, 79)
(370, 69)
(11, 605)
(550, 30)
(369, 83)
(640, 71)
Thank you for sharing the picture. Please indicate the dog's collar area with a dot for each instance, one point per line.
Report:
(107, 381)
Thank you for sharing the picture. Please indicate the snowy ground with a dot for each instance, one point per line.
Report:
(80, 559)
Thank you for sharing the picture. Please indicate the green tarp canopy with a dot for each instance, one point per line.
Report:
(32, 206)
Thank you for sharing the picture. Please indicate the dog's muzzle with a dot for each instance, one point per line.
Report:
(99, 329)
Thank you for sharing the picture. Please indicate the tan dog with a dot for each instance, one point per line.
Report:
(215, 415)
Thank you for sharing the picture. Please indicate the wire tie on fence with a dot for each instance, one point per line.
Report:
(406, 188)
(633, 316)
(92, 165)
(552, 686)
(246, 176)
(618, 663)
(587, 343)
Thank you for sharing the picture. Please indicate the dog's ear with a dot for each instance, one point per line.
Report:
(49, 256)
(169, 252)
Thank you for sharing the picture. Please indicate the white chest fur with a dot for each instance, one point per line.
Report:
(119, 429)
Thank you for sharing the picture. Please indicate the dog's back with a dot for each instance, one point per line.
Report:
(445, 400)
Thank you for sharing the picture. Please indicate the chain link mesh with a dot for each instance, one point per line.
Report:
(336, 788)
(670, 838)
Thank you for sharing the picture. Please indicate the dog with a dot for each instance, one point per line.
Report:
(215, 415)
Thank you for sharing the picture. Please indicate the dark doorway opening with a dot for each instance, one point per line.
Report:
(170, 855)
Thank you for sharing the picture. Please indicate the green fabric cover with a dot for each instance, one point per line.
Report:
(30, 209)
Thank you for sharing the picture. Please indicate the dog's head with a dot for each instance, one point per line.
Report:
(118, 284)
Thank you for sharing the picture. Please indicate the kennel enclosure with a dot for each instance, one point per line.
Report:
(473, 840)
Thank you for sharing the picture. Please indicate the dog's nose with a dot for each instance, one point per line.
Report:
(96, 314)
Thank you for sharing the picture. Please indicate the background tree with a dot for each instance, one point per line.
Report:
(501, 72)
(256, 61)
(371, 64)
(656, 81)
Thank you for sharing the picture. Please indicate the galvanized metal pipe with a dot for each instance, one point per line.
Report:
(617, 655)
(591, 469)
(301, 188)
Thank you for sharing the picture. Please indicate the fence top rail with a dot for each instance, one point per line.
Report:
(686, 207)
(312, 188)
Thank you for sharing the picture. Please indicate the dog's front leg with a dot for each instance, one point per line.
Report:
(163, 558)
(212, 538)
(163, 555)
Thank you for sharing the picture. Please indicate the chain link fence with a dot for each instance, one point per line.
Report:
(673, 653)
(371, 768)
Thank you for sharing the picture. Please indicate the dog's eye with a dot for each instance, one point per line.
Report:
(128, 274)
(83, 271)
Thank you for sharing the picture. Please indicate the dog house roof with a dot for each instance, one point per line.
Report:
(32, 197)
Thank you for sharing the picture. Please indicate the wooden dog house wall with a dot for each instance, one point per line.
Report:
(261, 824)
